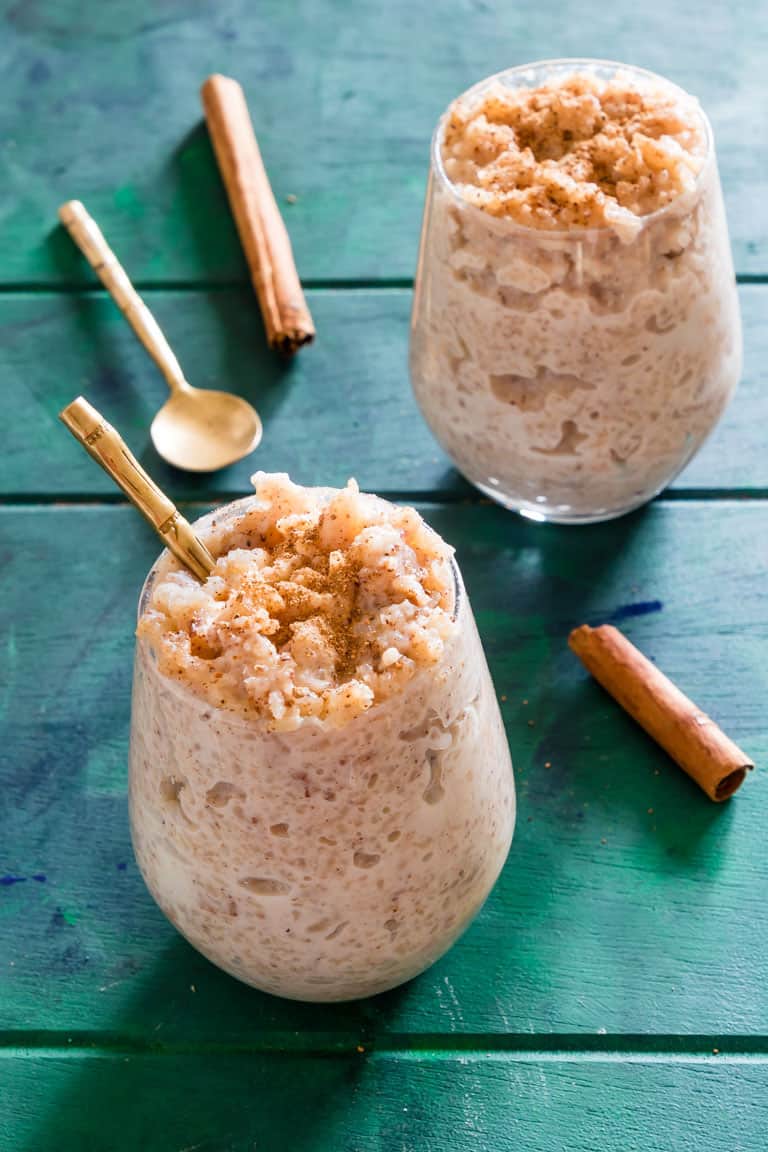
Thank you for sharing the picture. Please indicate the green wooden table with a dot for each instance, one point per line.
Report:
(613, 994)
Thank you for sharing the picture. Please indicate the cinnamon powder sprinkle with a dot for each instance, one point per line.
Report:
(322, 603)
(578, 151)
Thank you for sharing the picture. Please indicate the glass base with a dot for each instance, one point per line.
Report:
(544, 513)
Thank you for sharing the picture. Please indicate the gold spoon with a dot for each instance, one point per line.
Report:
(197, 429)
(108, 448)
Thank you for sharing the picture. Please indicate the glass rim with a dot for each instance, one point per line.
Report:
(459, 591)
(553, 235)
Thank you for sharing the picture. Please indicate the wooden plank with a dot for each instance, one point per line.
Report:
(630, 904)
(383, 1103)
(344, 406)
(103, 105)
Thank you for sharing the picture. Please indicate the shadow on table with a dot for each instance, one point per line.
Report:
(286, 1085)
(597, 750)
(207, 216)
(594, 791)
(110, 384)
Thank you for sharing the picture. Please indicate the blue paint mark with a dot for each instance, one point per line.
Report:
(629, 611)
(40, 877)
(39, 72)
(122, 866)
(6, 881)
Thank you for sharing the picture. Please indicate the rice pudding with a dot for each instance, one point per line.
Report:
(575, 331)
(321, 792)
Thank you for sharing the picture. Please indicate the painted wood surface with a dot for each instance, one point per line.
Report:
(343, 407)
(630, 905)
(381, 1103)
(102, 104)
(627, 938)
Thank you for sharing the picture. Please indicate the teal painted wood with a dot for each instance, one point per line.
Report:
(627, 937)
(102, 104)
(630, 904)
(343, 407)
(120, 1102)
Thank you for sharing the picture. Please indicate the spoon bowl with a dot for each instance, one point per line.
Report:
(201, 430)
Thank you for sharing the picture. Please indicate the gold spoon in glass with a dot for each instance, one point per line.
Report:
(105, 444)
(197, 429)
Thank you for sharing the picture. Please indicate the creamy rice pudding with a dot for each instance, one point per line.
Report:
(575, 330)
(321, 792)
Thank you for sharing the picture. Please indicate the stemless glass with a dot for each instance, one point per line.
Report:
(572, 374)
(323, 864)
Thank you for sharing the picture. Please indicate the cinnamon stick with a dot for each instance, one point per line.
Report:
(690, 737)
(263, 234)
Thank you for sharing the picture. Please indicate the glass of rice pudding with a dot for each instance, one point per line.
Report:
(575, 332)
(321, 792)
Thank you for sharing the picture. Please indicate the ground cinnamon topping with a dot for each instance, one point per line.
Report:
(578, 151)
(321, 603)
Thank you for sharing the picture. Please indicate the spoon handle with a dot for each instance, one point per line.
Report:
(108, 448)
(90, 240)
